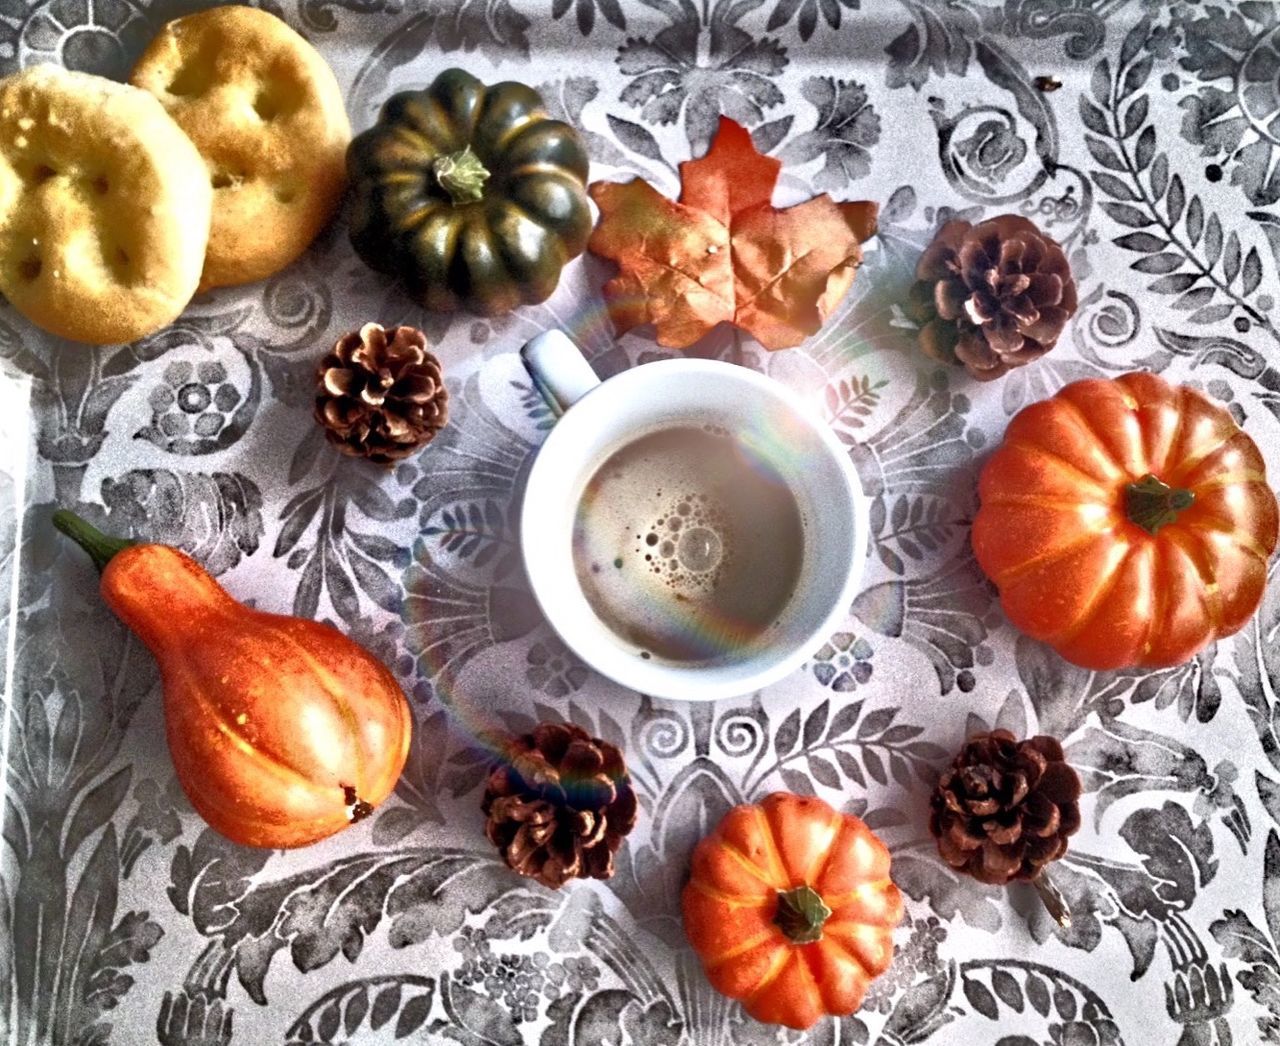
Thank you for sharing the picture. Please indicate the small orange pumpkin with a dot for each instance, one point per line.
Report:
(791, 909)
(1126, 522)
(282, 731)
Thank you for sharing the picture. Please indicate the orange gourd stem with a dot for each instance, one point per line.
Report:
(1151, 503)
(101, 548)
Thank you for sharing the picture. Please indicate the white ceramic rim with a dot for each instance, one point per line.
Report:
(551, 589)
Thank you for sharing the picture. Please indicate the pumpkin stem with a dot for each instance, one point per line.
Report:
(101, 547)
(1152, 503)
(461, 175)
(801, 914)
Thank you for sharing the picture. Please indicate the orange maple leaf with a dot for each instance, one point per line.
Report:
(724, 253)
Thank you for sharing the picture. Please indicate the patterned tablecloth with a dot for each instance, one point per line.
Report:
(1156, 164)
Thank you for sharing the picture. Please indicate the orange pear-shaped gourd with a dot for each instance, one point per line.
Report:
(283, 731)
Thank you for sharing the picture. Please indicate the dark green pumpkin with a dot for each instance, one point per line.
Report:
(472, 195)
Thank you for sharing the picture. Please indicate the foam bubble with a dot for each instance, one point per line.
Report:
(700, 549)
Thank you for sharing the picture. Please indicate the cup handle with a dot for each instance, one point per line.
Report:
(558, 369)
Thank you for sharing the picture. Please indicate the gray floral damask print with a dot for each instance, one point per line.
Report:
(1157, 166)
(700, 66)
(193, 400)
(1235, 113)
(847, 129)
(844, 662)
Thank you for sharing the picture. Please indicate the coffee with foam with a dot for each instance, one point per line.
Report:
(688, 545)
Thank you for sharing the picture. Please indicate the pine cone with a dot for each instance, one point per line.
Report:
(1005, 808)
(560, 805)
(379, 393)
(992, 296)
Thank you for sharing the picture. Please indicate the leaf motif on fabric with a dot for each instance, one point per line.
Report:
(1117, 759)
(216, 517)
(949, 894)
(924, 1007)
(1056, 687)
(476, 1020)
(129, 942)
(208, 878)
(847, 128)
(1177, 855)
(342, 1012)
(1242, 940)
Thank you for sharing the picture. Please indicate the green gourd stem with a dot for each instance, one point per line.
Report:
(101, 547)
(461, 175)
(1151, 503)
(801, 914)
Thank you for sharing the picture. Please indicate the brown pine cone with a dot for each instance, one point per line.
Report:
(992, 296)
(380, 394)
(1005, 808)
(559, 805)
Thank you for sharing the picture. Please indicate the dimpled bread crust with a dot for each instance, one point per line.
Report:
(267, 115)
(104, 207)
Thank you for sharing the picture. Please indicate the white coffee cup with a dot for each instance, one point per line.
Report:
(598, 417)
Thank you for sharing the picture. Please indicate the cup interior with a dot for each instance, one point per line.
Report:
(779, 427)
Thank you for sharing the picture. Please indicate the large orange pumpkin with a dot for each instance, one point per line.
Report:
(282, 731)
(791, 909)
(1126, 522)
